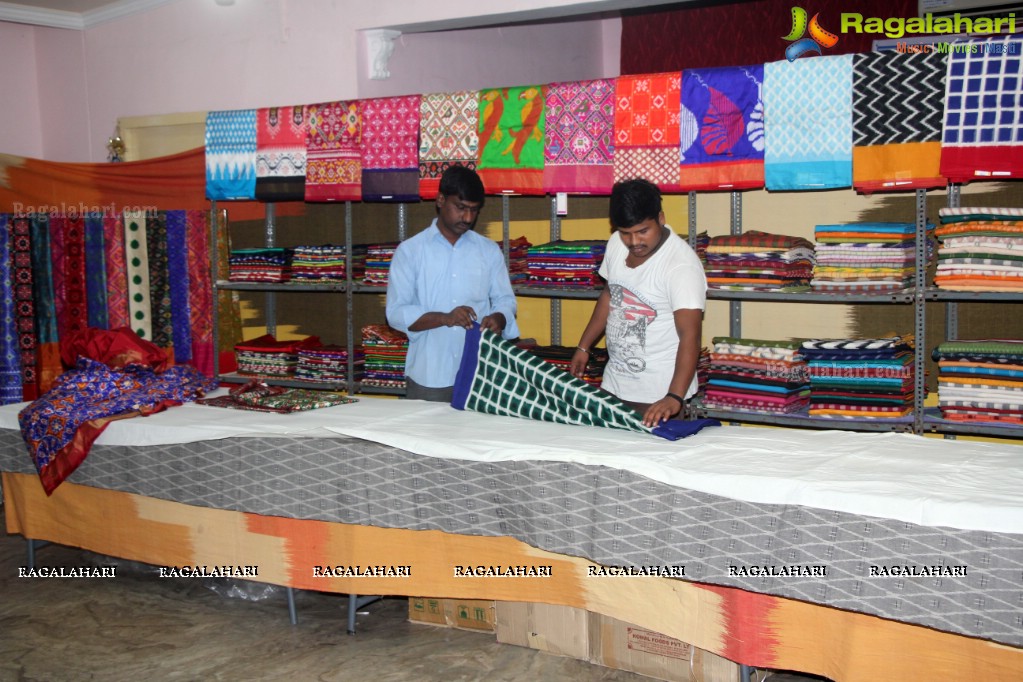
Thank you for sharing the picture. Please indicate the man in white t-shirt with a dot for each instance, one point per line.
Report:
(651, 310)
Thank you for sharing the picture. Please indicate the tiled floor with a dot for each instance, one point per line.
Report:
(141, 627)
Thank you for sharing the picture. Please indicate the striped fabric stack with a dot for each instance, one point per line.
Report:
(266, 356)
(565, 264)
(759, 261)
(750, 375)
(385, 349)
(378, 263)
(981, 249)
(981, 381)
(864, 257)
(518, 259)
(861, 378)
(325, 263)
(702, 242)
(328, 364)
(561, 356)
(259, 265)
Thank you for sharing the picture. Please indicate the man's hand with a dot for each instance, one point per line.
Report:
(579, 360)
(494, 322)
(462, 316)
(664, 409)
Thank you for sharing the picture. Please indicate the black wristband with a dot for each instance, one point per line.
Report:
(681, 401)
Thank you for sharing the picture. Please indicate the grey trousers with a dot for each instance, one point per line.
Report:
(414, 391)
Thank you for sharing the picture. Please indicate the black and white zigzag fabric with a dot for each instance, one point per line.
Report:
(898, 97)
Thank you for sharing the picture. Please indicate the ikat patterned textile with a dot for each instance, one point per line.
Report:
(60, 427)
(76, 315)
(579, 126)
(897, 107)
(200, 293)
(136, 254)
(10, 353)
(280, 153)
(333, 152)
(647, 134)
(159, 280)
(257, 397)
(497, 377)
(24, 302)
(117, 270)
(390, 148)
(808, 123)
(722, 128)
(511, 141)
(48, 364)
(448, 135)
(231, 154)
(95, 272)
(982, 136)
(178, 280)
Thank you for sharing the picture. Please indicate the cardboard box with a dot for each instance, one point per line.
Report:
(560, 630)
(465, 614)
(609, 642)
(621, 645)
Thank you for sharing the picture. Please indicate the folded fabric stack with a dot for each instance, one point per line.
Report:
(325, 263)
(266, 356)
(703, 370)
(702, 242)
(518, 259)
(259, 265)
(565, 264)
(257, 397)
(561, 356)
(385, 349)
(861, 378)
(864, 257)
(764, 377)
(378, 263)
(329, 364)
(981, 381)
(981, 249)
(759, 261)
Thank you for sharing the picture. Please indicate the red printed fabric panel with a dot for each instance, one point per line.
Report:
(511, 145)
(281, 153)
(579, 151)
(448, 135)
(200, 293)
(390, 148)
(647, 116)
(722, 128)
(333, 152)
(24, 305)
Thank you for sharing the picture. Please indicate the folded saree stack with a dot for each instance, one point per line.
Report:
(864, 257)
(385, 349)
(565, 264)
(981, 249)
(752, 375)
(981, 381)
(759, 261)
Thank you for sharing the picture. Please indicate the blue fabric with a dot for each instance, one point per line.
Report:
(10, 356)
(95, 272)
(231, 154)
(42, 279)
(177, 270)
(428, 274)
(808, 127)
(712, 101)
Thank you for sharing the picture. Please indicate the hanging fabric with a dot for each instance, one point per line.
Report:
(448, 135)
(75, 315)
(647, 110)
(117, 270)
(10, 353)
(178, 277)
(48, 353)
(390, 148)
(25, 310)
(982, 135)
(808, 123)
(200, 291)
(897, 104)
(333, 152)
(136, 254)
(95, 273)
(280, 153)
(579, 149)
(511, 143)
(231, 154)
(159, 280)
(722, 129)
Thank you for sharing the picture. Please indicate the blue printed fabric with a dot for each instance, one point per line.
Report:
(231, 154)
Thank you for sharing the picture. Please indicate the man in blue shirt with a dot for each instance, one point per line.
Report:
(444, 279)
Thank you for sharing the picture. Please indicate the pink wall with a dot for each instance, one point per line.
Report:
(20, 132)
(194, 55)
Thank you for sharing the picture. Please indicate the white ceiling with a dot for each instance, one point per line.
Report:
(74, 14)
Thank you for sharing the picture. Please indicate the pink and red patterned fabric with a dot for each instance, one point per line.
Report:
(448, 136)
(281, 153)
(579, 154)
(333, 152)
(390, 148)
(647, 116)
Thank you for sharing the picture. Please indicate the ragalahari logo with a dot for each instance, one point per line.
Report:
(818, 36)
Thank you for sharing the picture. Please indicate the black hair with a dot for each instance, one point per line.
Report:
(462, 182)
(633, 201)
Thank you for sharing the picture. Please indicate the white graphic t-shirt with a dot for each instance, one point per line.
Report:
(641, 338)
